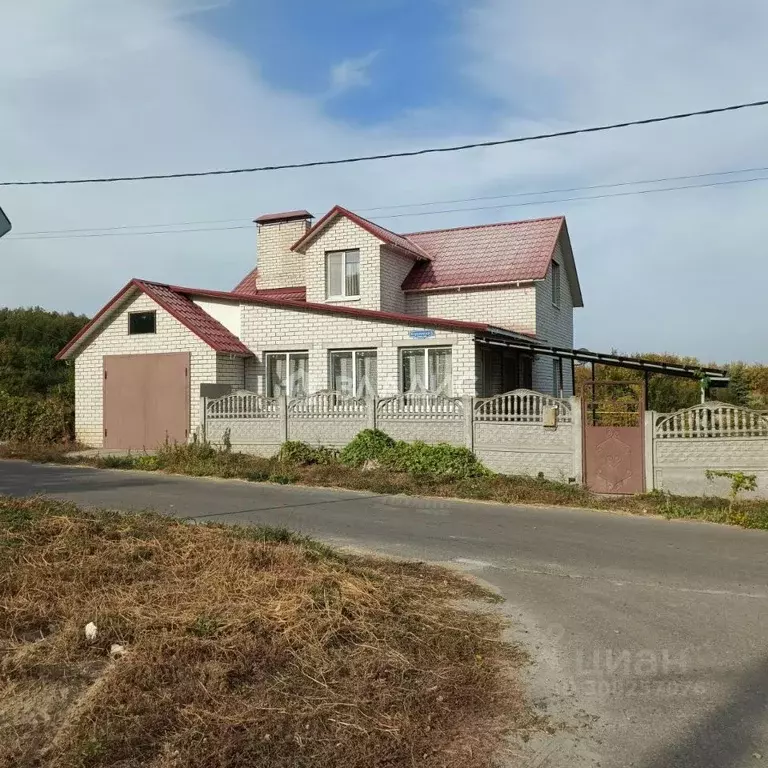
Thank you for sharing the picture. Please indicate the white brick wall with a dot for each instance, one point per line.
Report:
(508, 307)
(171, 336)
(553, 326)
(273, 329)
(229, 370)
(279, 266)
(394, 268)
(341, 235)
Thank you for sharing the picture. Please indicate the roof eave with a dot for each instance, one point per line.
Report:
(95, 322)
(573, 275)
(462, 286)
(339, 210)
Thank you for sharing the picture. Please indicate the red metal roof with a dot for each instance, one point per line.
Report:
(210, 330)
(336, 309)
(398, 242)
(271, 218)
(510, 252)
(177, 301)
(250, 285)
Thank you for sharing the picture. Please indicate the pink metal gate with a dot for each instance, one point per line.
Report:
(613, 416)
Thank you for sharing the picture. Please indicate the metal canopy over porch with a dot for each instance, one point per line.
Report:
(502, 338)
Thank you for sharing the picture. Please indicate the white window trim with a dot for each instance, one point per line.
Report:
(342, 296)
(556, 268)
(287, 356)
(426, 349)
(355, 353)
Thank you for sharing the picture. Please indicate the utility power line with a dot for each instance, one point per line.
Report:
(94, 231)
(728, 182)
(564, 190)
(391, 155)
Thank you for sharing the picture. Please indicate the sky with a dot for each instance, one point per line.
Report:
(126, 87)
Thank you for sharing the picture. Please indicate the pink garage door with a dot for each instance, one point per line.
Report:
(146, 400)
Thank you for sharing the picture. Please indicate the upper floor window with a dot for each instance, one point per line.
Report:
(142, 322)
(342, 274)
(556, 284)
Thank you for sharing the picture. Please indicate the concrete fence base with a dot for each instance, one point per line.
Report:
(519, 432)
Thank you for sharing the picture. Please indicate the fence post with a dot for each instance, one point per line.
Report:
(371, 402)
(203, 419)
(283, 418)
(576, 426)
(648, 437)
(469, 421)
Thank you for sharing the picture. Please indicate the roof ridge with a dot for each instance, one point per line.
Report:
(561, 217)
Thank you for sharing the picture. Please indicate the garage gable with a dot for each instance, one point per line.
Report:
(173, 304)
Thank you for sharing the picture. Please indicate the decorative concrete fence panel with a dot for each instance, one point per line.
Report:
(516, 433)
(327, 418)
(429, 418)
(715, 436)
(521, 406)
(252, 423)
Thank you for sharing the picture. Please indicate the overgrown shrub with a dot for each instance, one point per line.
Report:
(146, 462)
(368, 445)
(417, 458)
(297, 452)
(36, 420)
(442, 459)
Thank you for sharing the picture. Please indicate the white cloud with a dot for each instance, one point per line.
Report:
(681, 271)
(136, 86)
(351, 73)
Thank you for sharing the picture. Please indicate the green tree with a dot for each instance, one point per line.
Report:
(737, 392)
(29, 341)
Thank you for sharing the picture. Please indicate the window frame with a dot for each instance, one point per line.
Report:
(343, 296)
(287, 357)
(354, 352)
(131, 315)
(426, 349)
(556, 284)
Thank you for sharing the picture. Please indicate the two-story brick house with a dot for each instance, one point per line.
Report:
(344, 305)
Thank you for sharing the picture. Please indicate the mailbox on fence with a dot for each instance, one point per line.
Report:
(549, 416)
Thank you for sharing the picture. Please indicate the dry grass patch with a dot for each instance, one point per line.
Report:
(244, 647)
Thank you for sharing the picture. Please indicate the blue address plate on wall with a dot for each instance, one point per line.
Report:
(421, 334)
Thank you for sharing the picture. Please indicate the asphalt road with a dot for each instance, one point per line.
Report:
(649, 637)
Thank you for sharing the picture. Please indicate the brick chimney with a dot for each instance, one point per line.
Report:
(278, 265)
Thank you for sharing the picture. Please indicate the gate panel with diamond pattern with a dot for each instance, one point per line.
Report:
(613, 414)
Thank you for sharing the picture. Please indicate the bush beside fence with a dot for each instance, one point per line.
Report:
(36, 420)
(504, 431)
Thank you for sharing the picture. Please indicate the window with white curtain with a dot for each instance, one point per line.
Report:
(342, 274)
(353, 372)
(426, 369)
(287, 373)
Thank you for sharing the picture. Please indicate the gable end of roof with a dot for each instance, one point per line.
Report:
(179, 306)
(391, 239)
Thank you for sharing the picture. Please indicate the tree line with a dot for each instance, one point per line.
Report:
(29, 341)
(31, 337)
(748, 386)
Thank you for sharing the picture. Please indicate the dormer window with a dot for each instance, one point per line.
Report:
(342, 274)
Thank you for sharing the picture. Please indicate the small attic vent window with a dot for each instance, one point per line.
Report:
(141, 322)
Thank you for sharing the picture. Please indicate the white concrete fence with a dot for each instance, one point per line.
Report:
(680, 447)
(519, 432)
